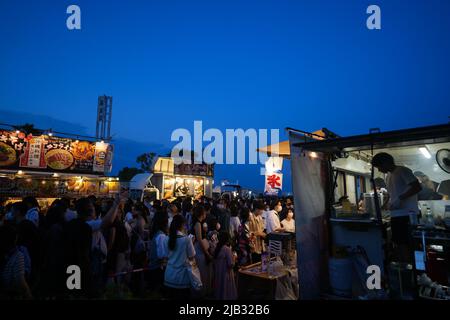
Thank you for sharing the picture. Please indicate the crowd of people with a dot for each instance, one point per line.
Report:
(138, 247)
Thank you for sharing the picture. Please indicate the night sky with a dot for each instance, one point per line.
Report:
(232, 64)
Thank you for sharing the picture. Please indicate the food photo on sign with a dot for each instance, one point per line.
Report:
(11, 146)
(18, 150)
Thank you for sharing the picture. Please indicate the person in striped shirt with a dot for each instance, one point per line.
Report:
(12, 273)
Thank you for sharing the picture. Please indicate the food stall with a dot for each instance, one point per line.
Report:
(277, 276)
(49, 167)
(172, 180)
(341, 223)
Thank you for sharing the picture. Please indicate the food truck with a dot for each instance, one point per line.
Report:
(169, 180)
(343, 226)
(47, 167)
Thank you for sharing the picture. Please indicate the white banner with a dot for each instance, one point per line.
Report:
(274, 164)
(273, 183)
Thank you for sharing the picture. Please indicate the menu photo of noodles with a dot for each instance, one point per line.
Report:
(68, 155)
(7, 155)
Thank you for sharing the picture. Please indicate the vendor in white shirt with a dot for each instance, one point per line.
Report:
(403, 188)
(272, 220)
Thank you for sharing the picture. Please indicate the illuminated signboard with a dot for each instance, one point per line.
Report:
(55, 154)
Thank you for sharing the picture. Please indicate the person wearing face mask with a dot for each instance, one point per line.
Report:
(172, 211)
(287, 205)
(256, 232)
(288, 223)
(273, 219)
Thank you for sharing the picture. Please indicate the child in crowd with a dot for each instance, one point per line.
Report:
(224, 281)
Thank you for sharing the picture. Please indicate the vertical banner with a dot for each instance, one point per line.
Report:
(273, 184)
(34, 154)
(109, 159)
(274, 164)
(101, 150)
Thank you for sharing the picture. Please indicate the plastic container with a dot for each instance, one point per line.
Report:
(340, 272)
(264, 262)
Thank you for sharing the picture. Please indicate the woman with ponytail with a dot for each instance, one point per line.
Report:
(179, 248)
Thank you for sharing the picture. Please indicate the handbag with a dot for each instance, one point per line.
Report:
(194, 275)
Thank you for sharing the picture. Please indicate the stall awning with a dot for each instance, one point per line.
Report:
(283, 148)
(379, 140)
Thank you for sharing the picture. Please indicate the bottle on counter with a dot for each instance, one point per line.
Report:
(429, 219)
(423, 212)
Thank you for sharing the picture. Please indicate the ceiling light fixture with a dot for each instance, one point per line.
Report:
(425, 152)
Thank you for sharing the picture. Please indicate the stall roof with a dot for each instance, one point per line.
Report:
(388, 139)
(283, 149)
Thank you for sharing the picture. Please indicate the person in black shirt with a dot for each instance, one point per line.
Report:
(53, 274)
(77, 241)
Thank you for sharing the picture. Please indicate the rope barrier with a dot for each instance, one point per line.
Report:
(115, 275)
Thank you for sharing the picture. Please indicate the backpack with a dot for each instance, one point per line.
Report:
(122, 240)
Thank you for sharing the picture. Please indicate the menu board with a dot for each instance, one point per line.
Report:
(56, 154)
(101, 149)
(189, 187)
(201, 169)
(33, 156)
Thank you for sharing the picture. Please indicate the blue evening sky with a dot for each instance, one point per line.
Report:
(232, 64)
